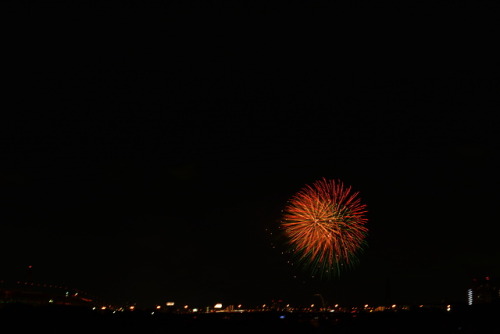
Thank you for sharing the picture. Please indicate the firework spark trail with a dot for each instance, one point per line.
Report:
(325, 225)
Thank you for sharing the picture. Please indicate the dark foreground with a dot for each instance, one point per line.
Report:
(57, 319)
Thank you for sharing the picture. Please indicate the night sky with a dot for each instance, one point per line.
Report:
(147, 151)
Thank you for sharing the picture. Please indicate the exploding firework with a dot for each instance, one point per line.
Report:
(324, 224)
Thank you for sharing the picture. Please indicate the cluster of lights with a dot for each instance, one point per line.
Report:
(219, 307)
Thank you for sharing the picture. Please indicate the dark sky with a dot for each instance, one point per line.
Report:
(148, 150)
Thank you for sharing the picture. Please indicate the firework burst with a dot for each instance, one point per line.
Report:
(324, 224)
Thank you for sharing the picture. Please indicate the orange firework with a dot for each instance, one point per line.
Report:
(325, 226)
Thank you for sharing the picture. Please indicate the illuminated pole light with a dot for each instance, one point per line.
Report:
(170, 303)
(448, 308)
(158, 307)
(469, 297)
(218, 305)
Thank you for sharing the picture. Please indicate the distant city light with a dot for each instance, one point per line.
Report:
(309, 308)
(170, 303)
